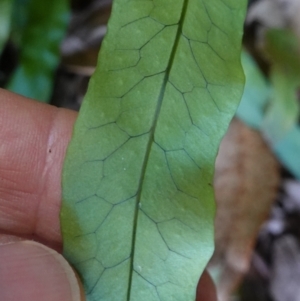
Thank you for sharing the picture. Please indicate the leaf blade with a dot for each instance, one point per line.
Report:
(144, 161)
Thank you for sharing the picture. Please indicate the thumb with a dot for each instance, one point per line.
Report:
(30, 271)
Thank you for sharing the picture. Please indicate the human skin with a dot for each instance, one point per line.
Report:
(33, 142)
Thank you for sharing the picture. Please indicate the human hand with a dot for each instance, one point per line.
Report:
(34, 138)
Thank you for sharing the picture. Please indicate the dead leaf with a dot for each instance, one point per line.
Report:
(246, 182)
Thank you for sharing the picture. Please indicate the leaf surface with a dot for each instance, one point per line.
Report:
(138, 205)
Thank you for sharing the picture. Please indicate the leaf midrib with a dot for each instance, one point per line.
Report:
(151, 138)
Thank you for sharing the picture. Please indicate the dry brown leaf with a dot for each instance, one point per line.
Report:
(246, 181)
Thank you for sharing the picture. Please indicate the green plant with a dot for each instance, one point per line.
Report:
(36, 29)
(159, 103)
(271, 104)
(138, 208)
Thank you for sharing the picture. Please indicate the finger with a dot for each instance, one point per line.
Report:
(206, 290)
(30, 271)
(34, 138)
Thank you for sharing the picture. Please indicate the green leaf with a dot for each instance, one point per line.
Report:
(273, 107)
(39, 28)
(256, 94)
(5, 19)
(282, 47)
(283, 111)
(280, 125)
(138, 204)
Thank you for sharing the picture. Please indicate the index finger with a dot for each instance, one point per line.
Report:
(34, 138)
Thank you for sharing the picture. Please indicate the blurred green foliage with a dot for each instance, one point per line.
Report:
(37, 29)
(5, 17)
(272, 105)
(256, 93)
